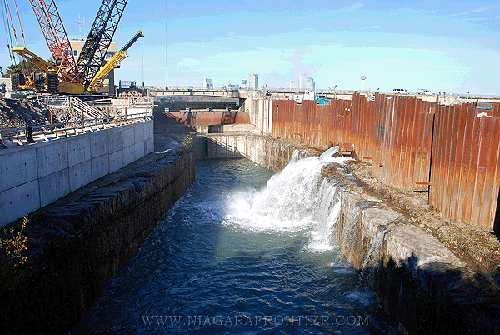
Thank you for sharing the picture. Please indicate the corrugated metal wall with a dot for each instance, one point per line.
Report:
(400, 136)
(465, 164)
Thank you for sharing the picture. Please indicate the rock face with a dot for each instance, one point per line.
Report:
(75, 245)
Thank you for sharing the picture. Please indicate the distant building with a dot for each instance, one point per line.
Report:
(302, 81)
(292, 85)
(208, 83)
(109, 80)
(254, 81)
(244, 83)
(232, 87)
(310, 84)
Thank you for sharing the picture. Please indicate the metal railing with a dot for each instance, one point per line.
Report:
(26, 135)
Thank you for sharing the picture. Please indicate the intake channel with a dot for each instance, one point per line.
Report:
(244, 251)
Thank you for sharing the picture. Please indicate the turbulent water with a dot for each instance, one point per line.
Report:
(243, 251)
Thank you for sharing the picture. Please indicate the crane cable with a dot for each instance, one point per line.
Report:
(8, 32)
(11, 21)
(20, 25)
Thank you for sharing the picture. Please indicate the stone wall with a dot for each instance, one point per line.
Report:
(420, 284)
(76, 244)
(32, 176)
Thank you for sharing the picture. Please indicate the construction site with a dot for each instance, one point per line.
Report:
(409, 196)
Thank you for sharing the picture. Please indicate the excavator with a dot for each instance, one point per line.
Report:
(68, 75)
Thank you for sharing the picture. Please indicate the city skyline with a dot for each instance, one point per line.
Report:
(445, 46)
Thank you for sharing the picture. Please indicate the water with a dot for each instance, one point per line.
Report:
(242, 252)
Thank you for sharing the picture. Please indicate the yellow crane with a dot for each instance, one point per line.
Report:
(96, 82)
(54, 80)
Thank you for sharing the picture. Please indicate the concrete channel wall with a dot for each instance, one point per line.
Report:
(33, 176)
(260, 149)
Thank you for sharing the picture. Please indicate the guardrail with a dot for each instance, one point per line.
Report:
(26, 135)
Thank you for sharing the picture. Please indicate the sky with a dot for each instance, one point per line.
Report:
(438, 45)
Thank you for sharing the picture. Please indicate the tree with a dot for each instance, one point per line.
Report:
(25, 67)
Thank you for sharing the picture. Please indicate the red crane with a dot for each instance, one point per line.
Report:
(57, 40)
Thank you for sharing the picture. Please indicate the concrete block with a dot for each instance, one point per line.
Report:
(52, 157)
(115, 140)
(53, 187)
(149, 146)
(99, 144)
(139, 150)
(100, 166)
(138, 132)
(17, 167)
(115, 161)
(128, 155)
(148, 129)
(128, 135)
(79, 149)
(80, 175)
(19, 201)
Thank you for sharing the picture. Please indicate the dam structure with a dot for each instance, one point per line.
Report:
(395, 233)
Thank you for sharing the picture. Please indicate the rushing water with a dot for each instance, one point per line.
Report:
(239, 255)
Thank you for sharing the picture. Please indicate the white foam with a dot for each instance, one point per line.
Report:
(296, 199)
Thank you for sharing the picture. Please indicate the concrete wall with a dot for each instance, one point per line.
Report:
(35, 175)
(273, 154)
(260, 114)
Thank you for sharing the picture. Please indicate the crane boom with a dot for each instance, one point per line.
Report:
(94, 50)
(111, 64)
(66, 84)
(57, 39)
(33, 58)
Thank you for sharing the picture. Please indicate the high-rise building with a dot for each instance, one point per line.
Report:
(310, 84)
(244, 83)
(208, 83)
(302, 81)
(254, 81)
(292, 85)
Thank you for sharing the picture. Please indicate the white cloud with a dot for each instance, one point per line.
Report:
(352, 8)
(484, 9)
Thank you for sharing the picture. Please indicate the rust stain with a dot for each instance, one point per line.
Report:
(411, 144)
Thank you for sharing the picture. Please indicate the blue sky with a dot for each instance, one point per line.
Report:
(439, 45)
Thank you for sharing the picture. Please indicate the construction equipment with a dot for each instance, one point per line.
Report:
(65, 83)
(94, 50)
(57, 40)
(96, 82)
(74, 77)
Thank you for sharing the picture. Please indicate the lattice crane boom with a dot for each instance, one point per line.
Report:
(100, 36)
(57, 39)
(111, 64)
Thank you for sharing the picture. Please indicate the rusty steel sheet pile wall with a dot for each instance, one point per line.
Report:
(465, 164)
(400, 136)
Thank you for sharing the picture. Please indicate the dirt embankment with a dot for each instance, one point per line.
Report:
(15, 113)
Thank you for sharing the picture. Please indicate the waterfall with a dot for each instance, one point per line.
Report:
(296, 199)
